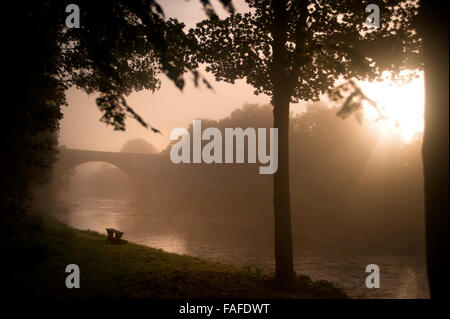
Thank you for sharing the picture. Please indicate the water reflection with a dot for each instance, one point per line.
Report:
(401, 276)
(169, 243)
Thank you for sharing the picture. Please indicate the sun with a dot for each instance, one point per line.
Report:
(401, 104)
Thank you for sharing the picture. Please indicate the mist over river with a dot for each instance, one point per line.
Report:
(400, 276)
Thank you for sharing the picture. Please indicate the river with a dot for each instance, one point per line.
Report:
(400, 276)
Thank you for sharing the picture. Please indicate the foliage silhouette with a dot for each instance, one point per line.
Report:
(121, 46)
(297, 50)
(432, 27)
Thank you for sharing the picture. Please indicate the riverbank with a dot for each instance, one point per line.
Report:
(136, 271)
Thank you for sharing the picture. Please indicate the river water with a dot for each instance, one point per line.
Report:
(400, 276)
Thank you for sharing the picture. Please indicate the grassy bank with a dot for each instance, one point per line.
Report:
(135, 271)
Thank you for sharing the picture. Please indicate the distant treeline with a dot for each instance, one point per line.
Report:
(350, 187)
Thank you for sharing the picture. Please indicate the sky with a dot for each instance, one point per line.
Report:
(165, 109)
(169, 108)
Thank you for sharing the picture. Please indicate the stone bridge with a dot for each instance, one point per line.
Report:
(156, 178)
(142, 169)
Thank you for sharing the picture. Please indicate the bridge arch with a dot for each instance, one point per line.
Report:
(71, 158)
(102, 180)
(142, 169)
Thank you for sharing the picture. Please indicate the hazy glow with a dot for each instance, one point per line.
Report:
(403, 106)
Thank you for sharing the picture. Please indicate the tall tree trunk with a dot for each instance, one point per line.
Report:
(435, 149)
(282, 90)
(284, 268)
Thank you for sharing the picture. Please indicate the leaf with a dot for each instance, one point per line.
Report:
(155, 130)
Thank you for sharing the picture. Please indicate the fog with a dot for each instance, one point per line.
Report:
(348, 182)
(351, 189)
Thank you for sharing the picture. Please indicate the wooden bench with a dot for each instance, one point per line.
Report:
(114, 236)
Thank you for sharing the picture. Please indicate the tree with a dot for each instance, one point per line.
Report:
(431, 25)
(433, 28)
(297, 50)
(120, 47)
(138, 145)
